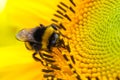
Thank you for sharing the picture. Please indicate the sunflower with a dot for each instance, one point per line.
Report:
(92, 25)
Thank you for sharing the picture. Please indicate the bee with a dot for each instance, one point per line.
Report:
(42, 38)
(45, 38)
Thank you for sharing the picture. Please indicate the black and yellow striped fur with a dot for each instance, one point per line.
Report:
(44, 38)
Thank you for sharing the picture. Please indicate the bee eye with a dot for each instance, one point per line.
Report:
(53, 39)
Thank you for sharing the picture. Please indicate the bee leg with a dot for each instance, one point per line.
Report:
(48, 61)
(53, 66)
(36, 58)
(47, 57)
(51, 77)
(49, 74)
(47, 70)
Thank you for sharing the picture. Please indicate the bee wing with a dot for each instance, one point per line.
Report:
(25, 35)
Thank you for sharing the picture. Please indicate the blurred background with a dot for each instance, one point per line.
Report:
(14, 16)
(7, 30)
(19, 14)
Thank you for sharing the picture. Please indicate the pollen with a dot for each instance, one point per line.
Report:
(94, 30)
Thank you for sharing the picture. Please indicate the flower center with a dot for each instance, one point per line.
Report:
(94, 29)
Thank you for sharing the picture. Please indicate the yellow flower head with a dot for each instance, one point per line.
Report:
(92, 26)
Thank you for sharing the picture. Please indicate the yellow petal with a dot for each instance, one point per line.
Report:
(17, 64)
(2, 5)
(28, 13)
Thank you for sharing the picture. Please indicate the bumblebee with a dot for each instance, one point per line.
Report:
(42, 38)
(45, 38)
